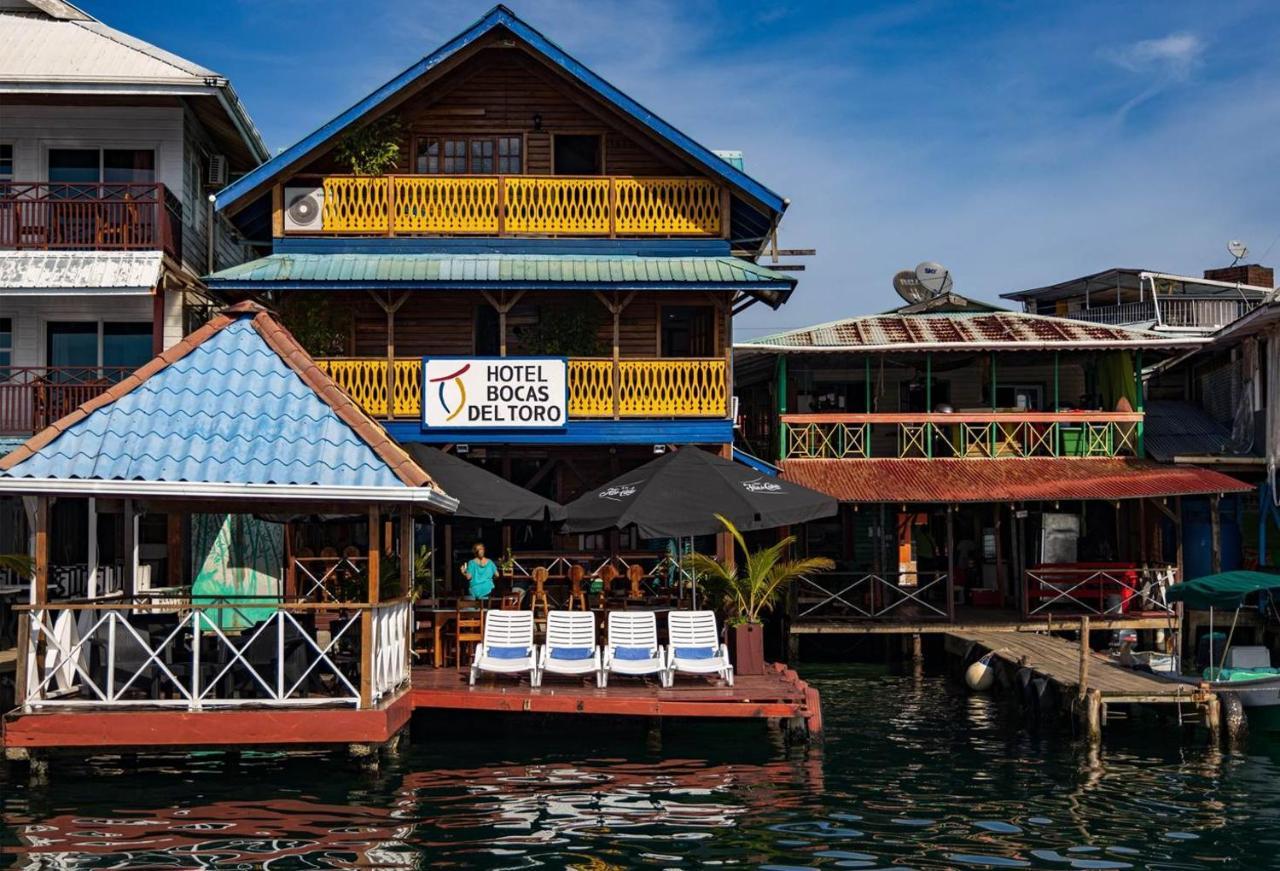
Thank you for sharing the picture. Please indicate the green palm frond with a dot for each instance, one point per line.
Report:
(17, 563)
(764, 574)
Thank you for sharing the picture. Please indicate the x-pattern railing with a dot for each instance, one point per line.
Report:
(872, 595)
(821, 441)
(1097, 591)
(93, 655)
(319, 576)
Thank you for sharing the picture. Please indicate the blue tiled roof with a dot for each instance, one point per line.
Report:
(229, 412)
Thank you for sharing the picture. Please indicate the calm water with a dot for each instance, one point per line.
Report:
(915, 773)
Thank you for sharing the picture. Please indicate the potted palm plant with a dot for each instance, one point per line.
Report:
(750, 590)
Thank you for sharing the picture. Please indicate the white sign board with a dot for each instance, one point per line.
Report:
(495, 393)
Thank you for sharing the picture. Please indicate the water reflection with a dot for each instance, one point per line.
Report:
(916, 773)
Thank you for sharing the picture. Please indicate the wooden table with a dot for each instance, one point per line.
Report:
(439, 617)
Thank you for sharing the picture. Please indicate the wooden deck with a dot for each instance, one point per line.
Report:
(778, 694)
(972, 620)
(1058, 660)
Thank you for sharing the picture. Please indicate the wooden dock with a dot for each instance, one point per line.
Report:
(1089, 681)
(779, 694)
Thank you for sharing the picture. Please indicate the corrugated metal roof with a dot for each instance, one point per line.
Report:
(231, 411)
(26, 273)
(1034, 479)
(38, 48)
(956, 331)
(1183, 428)
(481, 269)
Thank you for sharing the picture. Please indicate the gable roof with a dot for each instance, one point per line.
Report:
(502, 17)
(988, 331)
(53, 46)
(236, 410)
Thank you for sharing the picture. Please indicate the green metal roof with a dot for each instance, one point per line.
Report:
(334, 271)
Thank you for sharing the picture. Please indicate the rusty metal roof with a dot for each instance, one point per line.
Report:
(1004, 331)
(1033, 479)
(80, 273)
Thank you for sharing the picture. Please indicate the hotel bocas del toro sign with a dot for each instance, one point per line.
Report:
(495, 393)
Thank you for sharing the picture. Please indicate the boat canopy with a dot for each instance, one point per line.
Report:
(1223, 590)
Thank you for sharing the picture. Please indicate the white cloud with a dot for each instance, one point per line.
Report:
(1175, 55)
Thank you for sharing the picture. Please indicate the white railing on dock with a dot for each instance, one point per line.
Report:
(391, 632)
(1100, 591)
(156, 653)
(919, 595)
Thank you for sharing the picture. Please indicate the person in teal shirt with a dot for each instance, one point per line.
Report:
(480, 572)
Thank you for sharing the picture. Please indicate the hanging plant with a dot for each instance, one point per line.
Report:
(372, 149)
(319, 326)
(563, 331)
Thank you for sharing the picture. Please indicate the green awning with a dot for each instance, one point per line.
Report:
(305, 271)
(1225, 590)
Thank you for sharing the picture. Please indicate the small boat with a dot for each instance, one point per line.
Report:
(1245, 671)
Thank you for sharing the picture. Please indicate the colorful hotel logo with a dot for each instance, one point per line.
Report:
(495, 393)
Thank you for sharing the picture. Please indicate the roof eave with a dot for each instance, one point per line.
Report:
(426, 496)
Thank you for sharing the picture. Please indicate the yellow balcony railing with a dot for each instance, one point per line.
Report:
(645, 388)
(513, 205)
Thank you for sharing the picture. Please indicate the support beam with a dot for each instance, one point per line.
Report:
(374, 568)
(1215, 522)
(130, 535)
(40, 582)
(91, 549)
(176, 525)
(407, 551)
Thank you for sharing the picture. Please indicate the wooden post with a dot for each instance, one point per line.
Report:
(728, 355)
(616, 311)
(1093, 716)
(91, 549)
(174, 539)
(130, 580)
(391, 362)
(407, 550)
(1000, 573)
(40, 583)
(157, 319)
(1083, 684)
(1177, 507)
(391, 205)
(277, 211)
(1215, 521)
(725, 213)
(780, 378)
(290, 564)
(951, 564)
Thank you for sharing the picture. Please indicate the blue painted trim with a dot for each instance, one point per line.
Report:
(579, 432)
(502, 245)
(751, 287)
(501, 16)
(756, 463)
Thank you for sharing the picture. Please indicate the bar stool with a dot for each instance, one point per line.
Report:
(608, 574)
(635, 574)
(576, 596)
(538, 599)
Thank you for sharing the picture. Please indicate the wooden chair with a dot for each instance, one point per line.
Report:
(635, 574)
(538, 600)
(510, 602)
(576, 596)
(469, 631)
(608, 574)
(120, 229)
(424, 634)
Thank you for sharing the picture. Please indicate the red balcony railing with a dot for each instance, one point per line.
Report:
(90, 217)
(32, 397)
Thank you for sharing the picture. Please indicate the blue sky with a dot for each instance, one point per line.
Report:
(1019, 143)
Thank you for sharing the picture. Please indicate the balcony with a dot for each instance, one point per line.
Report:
(499, 205)
(32, 397)
(687, 388)
(90, 217)
(970, 435)
(1171, 312)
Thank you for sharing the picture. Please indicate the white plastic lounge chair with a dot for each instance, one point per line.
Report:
(693, 646)
(507, 647)
(571, 646)
(633, 647)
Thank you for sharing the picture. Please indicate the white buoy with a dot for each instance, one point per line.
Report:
(980, 676)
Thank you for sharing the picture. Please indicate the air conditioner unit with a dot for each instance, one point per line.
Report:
(303, 208)
(218, 170)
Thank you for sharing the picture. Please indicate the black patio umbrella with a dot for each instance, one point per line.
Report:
(479, 492)
(680, 493)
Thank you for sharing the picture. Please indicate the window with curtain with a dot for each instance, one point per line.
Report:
(6, 347)
(6, 161)
(469, 155)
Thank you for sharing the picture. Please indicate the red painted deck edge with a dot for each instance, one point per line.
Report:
(245, 727)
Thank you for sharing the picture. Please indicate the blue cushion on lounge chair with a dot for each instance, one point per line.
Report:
(632, 653)
(695, 652)
(571, 653)
(506, 652)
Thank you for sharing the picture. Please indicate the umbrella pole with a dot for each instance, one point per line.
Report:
(1230, 634)
(1210, 635)
(693, 581)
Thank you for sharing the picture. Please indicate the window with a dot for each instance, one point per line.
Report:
(92, 344)
(6, 347)
(1024, 397)
(688, 331)
(74, 166)
(6, 161)
(576, 154)
(488, 340)
(912, 395)
(474, 155)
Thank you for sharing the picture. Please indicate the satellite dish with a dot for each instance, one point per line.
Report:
(1237, 249)
(935, 278)
(909, 287)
